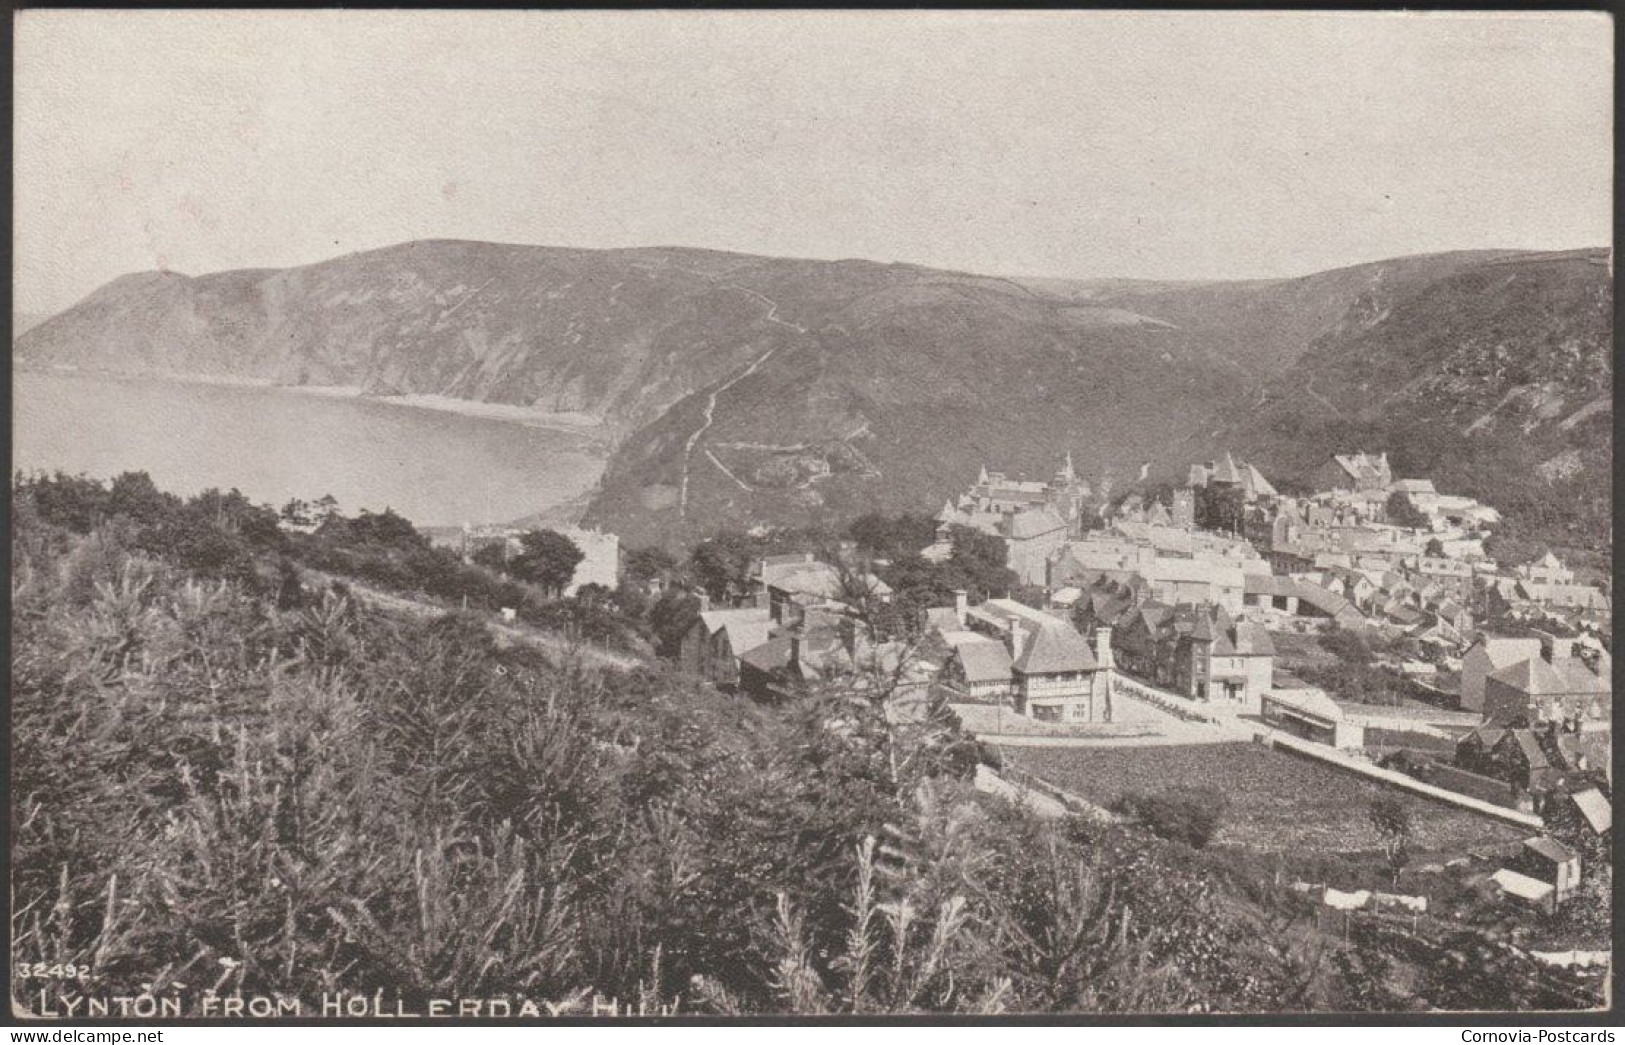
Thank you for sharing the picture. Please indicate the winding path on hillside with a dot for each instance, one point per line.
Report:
(709, 413)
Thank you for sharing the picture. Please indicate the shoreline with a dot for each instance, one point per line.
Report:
(589, 428)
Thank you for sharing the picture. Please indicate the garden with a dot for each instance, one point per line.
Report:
(1275, 800)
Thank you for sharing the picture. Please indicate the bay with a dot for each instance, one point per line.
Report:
(435, 467)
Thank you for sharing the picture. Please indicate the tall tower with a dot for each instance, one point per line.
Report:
(1183, 513)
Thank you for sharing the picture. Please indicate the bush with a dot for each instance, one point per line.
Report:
(1181, 815)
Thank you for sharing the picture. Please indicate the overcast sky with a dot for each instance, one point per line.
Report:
(1066, 144)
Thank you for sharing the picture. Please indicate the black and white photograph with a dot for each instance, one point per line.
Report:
(855, 516)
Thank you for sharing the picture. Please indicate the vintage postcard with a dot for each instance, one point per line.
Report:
(810, 514)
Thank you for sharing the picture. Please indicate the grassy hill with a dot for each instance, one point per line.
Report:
(741, 389)
(1496, 380)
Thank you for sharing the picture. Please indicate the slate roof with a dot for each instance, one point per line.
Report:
(1307, 700)
(1580, 679)
(1054, 648)
(1254, 482)
(1504, 652)
(1596, 810)
(1487, 735)
(1268, 584)
(1253, 640)
(1035, 523)
(1533, 676)
(1530, 746)
(1194, 571)
(1327, 602)
(984, 661)
(1521, 885)
(747, 634)
(818, 579)
(745, 628)
(1550, 848)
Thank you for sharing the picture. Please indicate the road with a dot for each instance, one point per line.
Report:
(709, 413)
(1041, 804)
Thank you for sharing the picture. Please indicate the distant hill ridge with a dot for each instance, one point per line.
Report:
(740, 388)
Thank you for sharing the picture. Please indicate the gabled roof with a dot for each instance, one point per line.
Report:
(1054, 648)
(746, 634)
(1596, 810)
(1532, 676)
(1550, 848)
(1254, 482)
(1194, 571)
(1035, 523)
(1328, 602)
(1225, 471)
(1307, 700)
(1267, 584)
(1579, 678)
(1488, 735)
(984, 661)
(1521, 885)
(1253, 640)
(1503, 652)
(1527, 743)
(942, 619)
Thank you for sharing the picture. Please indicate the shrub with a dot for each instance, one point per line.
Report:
(1187, 816)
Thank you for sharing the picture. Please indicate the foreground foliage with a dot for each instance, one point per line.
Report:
(243, 780)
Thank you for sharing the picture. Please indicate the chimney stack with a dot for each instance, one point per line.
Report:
(961, 598)
(705, 601)
(1103, 648)
(1016, 638)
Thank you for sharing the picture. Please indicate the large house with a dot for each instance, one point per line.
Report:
(1542, 679)
(1228, 473)
(806, 583)
(1196, 581)
(1201, 651)
(1548, 569)
(1034, 519)
(1488, 655)
(1354, 472)
(1054, 672)
(713, 645)
(821, 647)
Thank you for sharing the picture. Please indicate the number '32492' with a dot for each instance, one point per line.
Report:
(51, 971)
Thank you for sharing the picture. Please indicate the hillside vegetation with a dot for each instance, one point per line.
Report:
(1496, 381)
(740, 389)
(229, 778)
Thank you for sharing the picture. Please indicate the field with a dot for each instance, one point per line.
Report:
(1278, 801)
